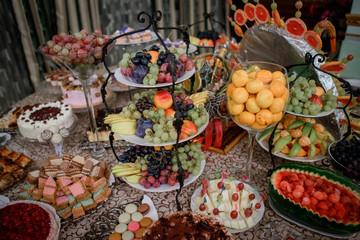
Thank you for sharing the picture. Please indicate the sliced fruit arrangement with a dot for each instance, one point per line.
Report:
(299, 137)
(308, 99)
(151, 167)
(326, 25)
(150, 67)
(257, 97)
(316, 197)
(151, 116)
(229, 201)
(346, 155)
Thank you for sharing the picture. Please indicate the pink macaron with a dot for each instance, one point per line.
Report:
(133, 226)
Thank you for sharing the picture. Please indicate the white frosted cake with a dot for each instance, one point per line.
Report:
(73, 93)
(41, 116)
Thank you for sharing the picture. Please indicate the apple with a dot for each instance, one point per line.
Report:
(316, 99)
(163, 99)
(319, 91)
(188, 129)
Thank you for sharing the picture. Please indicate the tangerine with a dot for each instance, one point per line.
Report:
(264, 98)
(264, 117)
(277, 116)
(285, 96)
(240, 78)
(277, 75)
(277, 88)
(264, 75)
(234, 108)
(277, 105)
(246, 118)
(251, 105)
(239, 95)
(254, 86)
(229, 89)
(256, 125)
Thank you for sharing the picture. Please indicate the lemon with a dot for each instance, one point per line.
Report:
(254, 86)
(277, 75)
(239, 95)
(251, 105)
(246, 118)
(277, 88)
(264, 98)
(264, 117)
(240, 78)
(277, 105)
(234, 108)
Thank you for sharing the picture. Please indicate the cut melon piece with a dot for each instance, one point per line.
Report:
(238, 30)
(295, 27)
(240, 17)
(276, 17)
(333, 67)
(313, 39)
(249, 10)
(262, 14)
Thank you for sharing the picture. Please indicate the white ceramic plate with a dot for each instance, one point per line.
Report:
(167, 187)
(345, 236)
(265, 146)
(114, 86)
(152, 213)
(320, 114)
(153, 38)
(257, 219)
(127, 81)
(48, 208)
(134, 139)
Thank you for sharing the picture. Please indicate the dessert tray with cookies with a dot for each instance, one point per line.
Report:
(74, 185)
(128, 221)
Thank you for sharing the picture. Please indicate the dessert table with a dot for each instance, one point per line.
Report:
(164, 202)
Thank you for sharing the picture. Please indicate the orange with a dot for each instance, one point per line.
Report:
(239, 95)
(251, 105)
(246, 118)
(256, 125)
(285, 96)
(240, 78)
(277, 75)
(277, 105)
(234, 108)
(154, 56)
(254, 86)
(264, 98)
(229, 89)
(277, 117)
(264, 117)
(277, 88)
(264, 75)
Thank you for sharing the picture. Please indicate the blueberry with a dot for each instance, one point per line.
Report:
(154, 48)
(135, 61)
(147, 56)
(139, 55)
(144, 61)
(159, 62)
(190, 106)
(161, 56)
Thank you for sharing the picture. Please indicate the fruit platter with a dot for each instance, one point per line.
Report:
(233, 203)
(154, 169)
(298, 139)
(148, 120)
(148, 69)
(308, 100)
(316, 198)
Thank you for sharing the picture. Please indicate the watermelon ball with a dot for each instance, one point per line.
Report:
(298, 14)
(202, 207)
(344, 61)
(233, 7)
(245, 1)
(350, 57)
(273, 6)
(232, 23)
(298, 5)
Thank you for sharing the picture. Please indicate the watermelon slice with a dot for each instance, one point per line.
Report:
(276, 17)
(240, 17)
(333, 67)
(262, 14)
(238, 30)
(295, 27)
(313, 39)
(249, 10)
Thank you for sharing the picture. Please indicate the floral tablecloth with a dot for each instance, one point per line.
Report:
(164, 202)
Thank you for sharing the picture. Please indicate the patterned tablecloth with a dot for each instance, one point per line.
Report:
(164, 202)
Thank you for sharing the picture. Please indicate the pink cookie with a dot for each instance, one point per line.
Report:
(133, 226)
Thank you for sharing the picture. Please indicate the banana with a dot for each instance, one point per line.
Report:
(127, 173)
(124, 165)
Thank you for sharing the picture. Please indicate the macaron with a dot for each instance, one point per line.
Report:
(121, 228)
(144, 208)
(128, 235)
(137, 216)
(115, 236)
(133, 226)
(146, 222)
(139, 233)
(131, 208)
(124, 218)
